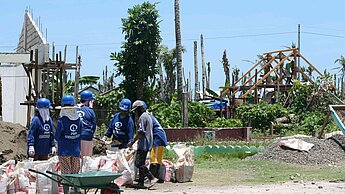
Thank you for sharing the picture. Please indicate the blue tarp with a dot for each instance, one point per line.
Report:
(216, 105)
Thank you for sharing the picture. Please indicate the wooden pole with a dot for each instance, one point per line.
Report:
(185, 109)
(324, 125)
(203, 65)
(196, 72)
(77, 75)
(256, 100)
(36, 76)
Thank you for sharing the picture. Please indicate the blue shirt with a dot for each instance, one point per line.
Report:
(159, 136)
(41, 135)
(88, 119)
(121, 129)
(68, 136)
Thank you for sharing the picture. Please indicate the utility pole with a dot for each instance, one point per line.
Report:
(299, 46)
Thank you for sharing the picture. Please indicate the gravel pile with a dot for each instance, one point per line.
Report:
(324, 152)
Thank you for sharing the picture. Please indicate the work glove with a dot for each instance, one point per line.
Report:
(104, 139)
(54, 150)
(31, 151)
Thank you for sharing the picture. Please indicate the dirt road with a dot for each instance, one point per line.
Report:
(285, 188)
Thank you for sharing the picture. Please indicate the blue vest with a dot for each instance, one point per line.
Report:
(41, 135)
(121, 129)
(68, 136)
(88, 119)
(159, 136)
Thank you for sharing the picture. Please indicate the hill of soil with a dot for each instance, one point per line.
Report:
(13, 138)
(324, 152)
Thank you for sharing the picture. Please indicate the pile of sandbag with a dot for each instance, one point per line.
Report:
(16, 178)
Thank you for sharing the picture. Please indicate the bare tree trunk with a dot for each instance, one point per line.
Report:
(185, 110)
(196, 72)
(77, 76)
(208, 75)
(226, 67)
(161, 78)
(178, 49)
(203, 65)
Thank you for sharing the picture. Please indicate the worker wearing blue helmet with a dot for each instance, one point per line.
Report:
(88, 119)
(121, 127)
(41, 137)
(68, 136)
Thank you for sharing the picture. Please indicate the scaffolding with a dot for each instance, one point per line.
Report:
(48, 78)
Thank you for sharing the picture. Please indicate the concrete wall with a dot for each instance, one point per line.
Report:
(14, 89)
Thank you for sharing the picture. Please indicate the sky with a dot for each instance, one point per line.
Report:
(244, 28)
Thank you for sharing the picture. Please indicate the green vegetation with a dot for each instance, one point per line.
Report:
(137, 60)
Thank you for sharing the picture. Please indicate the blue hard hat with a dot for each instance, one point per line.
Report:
(67, 100)
(125, 104)
(86, 95)
(43, 103)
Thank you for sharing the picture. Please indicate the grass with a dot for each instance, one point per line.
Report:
(234, 171)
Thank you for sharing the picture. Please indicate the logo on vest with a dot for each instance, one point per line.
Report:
(73, 128)
(46, 127)
(81, 114)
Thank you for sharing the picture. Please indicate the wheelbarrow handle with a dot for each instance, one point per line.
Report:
(62, 177)
(68, 182)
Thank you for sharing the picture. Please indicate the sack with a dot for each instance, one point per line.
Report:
(184, 174)
(90, 164)
(185, 163)
(169, 170)
(3, 184)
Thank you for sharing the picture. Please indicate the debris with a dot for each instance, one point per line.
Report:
(297, 144)
(324, 152)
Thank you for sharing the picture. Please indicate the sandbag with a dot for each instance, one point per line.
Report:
(185, 163)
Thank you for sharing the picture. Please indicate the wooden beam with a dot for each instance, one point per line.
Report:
(237, 81)
(267, 74)
(263, 67)
(299, 54)
(277, 51)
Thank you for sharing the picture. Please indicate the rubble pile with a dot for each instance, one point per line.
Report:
(13, 139)
(324, 152)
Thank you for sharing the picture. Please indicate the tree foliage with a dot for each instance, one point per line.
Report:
(137, 60)
(169, 116)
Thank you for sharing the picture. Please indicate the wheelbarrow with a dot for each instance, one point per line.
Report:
(88, 180)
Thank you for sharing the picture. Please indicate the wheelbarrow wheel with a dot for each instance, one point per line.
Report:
(111, 189)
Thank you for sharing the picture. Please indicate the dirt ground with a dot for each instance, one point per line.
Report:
(12, 142)
(285, 188)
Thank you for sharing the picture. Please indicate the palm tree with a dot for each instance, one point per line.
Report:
(178, 49)
(341, 61)
(88, 80)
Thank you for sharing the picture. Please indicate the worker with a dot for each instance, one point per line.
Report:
(41, 141)
(68, 136)
(159, 143)
(121, 127)
(88, 119)
(144, 136)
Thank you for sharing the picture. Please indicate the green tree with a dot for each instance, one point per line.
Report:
(137, 60)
